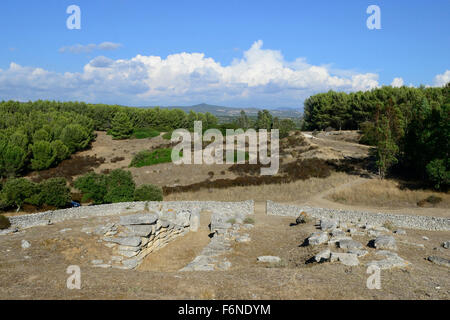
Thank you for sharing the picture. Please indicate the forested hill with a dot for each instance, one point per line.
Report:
(409, 126)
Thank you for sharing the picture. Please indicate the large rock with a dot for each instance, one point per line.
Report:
(269, 259)
(385, 242)
(350, 244)
(139, 230)
(446, 244)
(439, 261)
(392, 260)
(318, 238)
(137, 219)
(336, 239)
(348, 259)
(323, 256)
(183, 218)
(328, 225)
(125, 241)
(130, 263)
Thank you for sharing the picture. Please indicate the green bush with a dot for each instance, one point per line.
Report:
(120, 186)
(54, 192)
(4, 222)
(60, 150)
(93, 187)
(148, 192)
(144, 133)
(438, 173)
(117, 186)
(167, 135)
(148, 158)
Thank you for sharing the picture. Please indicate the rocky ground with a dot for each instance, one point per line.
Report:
(268, 257)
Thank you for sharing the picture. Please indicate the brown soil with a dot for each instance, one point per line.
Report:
(40, 271)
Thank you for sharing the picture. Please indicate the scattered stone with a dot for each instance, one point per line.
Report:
(425, 238)
(350, 244)
(420, 245)
(224, 265)
(25, 244)
(248, 226)
(105, 266)
(323, 256)
(243, 238)
(336, 239)
(65, 230)
(355, 232)
(439, 261)
(116, 258)
(328, 225)
(446, 244)
(385, 242)
(110, 245)
(374, 233)
(391, 261)
(98, 261)
(318, 238)
(337, 233)
(359, 253)
(400, 232)
(138, 219)
(348, 259)
(269, 259)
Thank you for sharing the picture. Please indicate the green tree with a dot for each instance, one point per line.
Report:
(439, 173)
(17, 191)
(43, 155)
(12, 159)
(75, 137)
(60, 149)
(121, 126)
(243, 121)
(54, 192)
(264, 120)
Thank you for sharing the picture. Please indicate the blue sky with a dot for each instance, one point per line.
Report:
(236, 53)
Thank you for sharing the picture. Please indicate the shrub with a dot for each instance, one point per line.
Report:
(4, 222)
(144, 133)
(249, 220)
(438, 173)
(54, 192)
(167, 135)
(120, 186)
(148, 158)
(148, 193)
(93, 187)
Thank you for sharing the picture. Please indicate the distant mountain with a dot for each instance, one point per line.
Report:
(220, 111)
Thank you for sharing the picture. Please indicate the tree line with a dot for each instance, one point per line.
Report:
(410, 127)
(38, 135)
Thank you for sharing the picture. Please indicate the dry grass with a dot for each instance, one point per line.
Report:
(386, 193)
(286, 192)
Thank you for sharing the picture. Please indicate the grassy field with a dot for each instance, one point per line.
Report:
(389, 193)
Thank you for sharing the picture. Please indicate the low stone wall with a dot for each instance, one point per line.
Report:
(401, 221)
(43, 218)
(138, 235)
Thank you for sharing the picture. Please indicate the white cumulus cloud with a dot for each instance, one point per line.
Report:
(442, 79)
(397, 82)
(261, 77)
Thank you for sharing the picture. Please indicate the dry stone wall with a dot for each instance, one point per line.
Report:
(401, 221)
